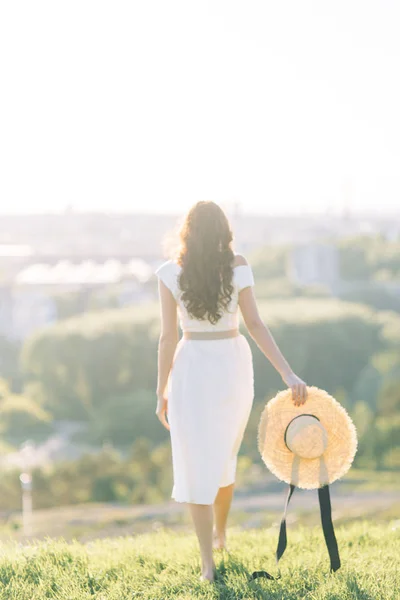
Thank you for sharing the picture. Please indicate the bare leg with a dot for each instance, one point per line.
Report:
(222, 506)
(202, 515)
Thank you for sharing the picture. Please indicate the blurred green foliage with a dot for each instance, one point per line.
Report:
(21, 416)
(9, 361)
(368, 257)
(142, 475)
(87, 365)
(100, 368)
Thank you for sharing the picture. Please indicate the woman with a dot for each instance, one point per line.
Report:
(205, 380)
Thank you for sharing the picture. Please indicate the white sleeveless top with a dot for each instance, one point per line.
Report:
(242, 277)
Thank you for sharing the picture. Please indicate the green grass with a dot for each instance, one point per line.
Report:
(165, 564)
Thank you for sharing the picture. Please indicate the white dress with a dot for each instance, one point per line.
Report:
(210, 394)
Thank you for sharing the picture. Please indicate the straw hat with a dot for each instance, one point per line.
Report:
(310, 445)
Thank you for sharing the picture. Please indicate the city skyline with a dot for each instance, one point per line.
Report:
(345, 210)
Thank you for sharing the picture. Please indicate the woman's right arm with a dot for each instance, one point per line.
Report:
(265, 341)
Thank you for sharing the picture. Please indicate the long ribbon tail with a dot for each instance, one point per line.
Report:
(282, 541)
(327, 526)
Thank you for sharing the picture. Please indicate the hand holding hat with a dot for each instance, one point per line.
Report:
(308, 446)
(298, 387)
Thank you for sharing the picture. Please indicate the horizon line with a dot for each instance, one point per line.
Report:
(345, 214)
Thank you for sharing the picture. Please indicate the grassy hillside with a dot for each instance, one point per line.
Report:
(165, 564)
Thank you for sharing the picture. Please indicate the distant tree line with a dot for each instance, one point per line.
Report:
(99, 369)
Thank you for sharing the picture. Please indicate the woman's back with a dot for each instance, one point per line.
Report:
(242, 277)
(205, 382)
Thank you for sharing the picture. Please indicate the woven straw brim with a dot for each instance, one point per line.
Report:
(307, 473)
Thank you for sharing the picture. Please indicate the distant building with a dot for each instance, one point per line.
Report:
(6, 307)
(24, 310)
(32, 309)
(27, 299)
(314, 263)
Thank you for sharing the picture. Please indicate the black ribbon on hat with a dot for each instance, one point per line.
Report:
(327, 525)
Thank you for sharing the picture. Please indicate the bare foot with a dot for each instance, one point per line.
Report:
(208, 574)
(219, 541)
(207, 577)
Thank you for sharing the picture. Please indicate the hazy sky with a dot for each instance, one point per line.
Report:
(152, 105)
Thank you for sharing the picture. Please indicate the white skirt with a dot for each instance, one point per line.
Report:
(210, 395)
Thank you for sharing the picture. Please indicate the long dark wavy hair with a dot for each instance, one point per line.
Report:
(206, 257)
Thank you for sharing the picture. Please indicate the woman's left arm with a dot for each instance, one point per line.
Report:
(168, 341)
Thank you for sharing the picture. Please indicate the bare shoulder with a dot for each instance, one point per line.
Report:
(239, 260)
